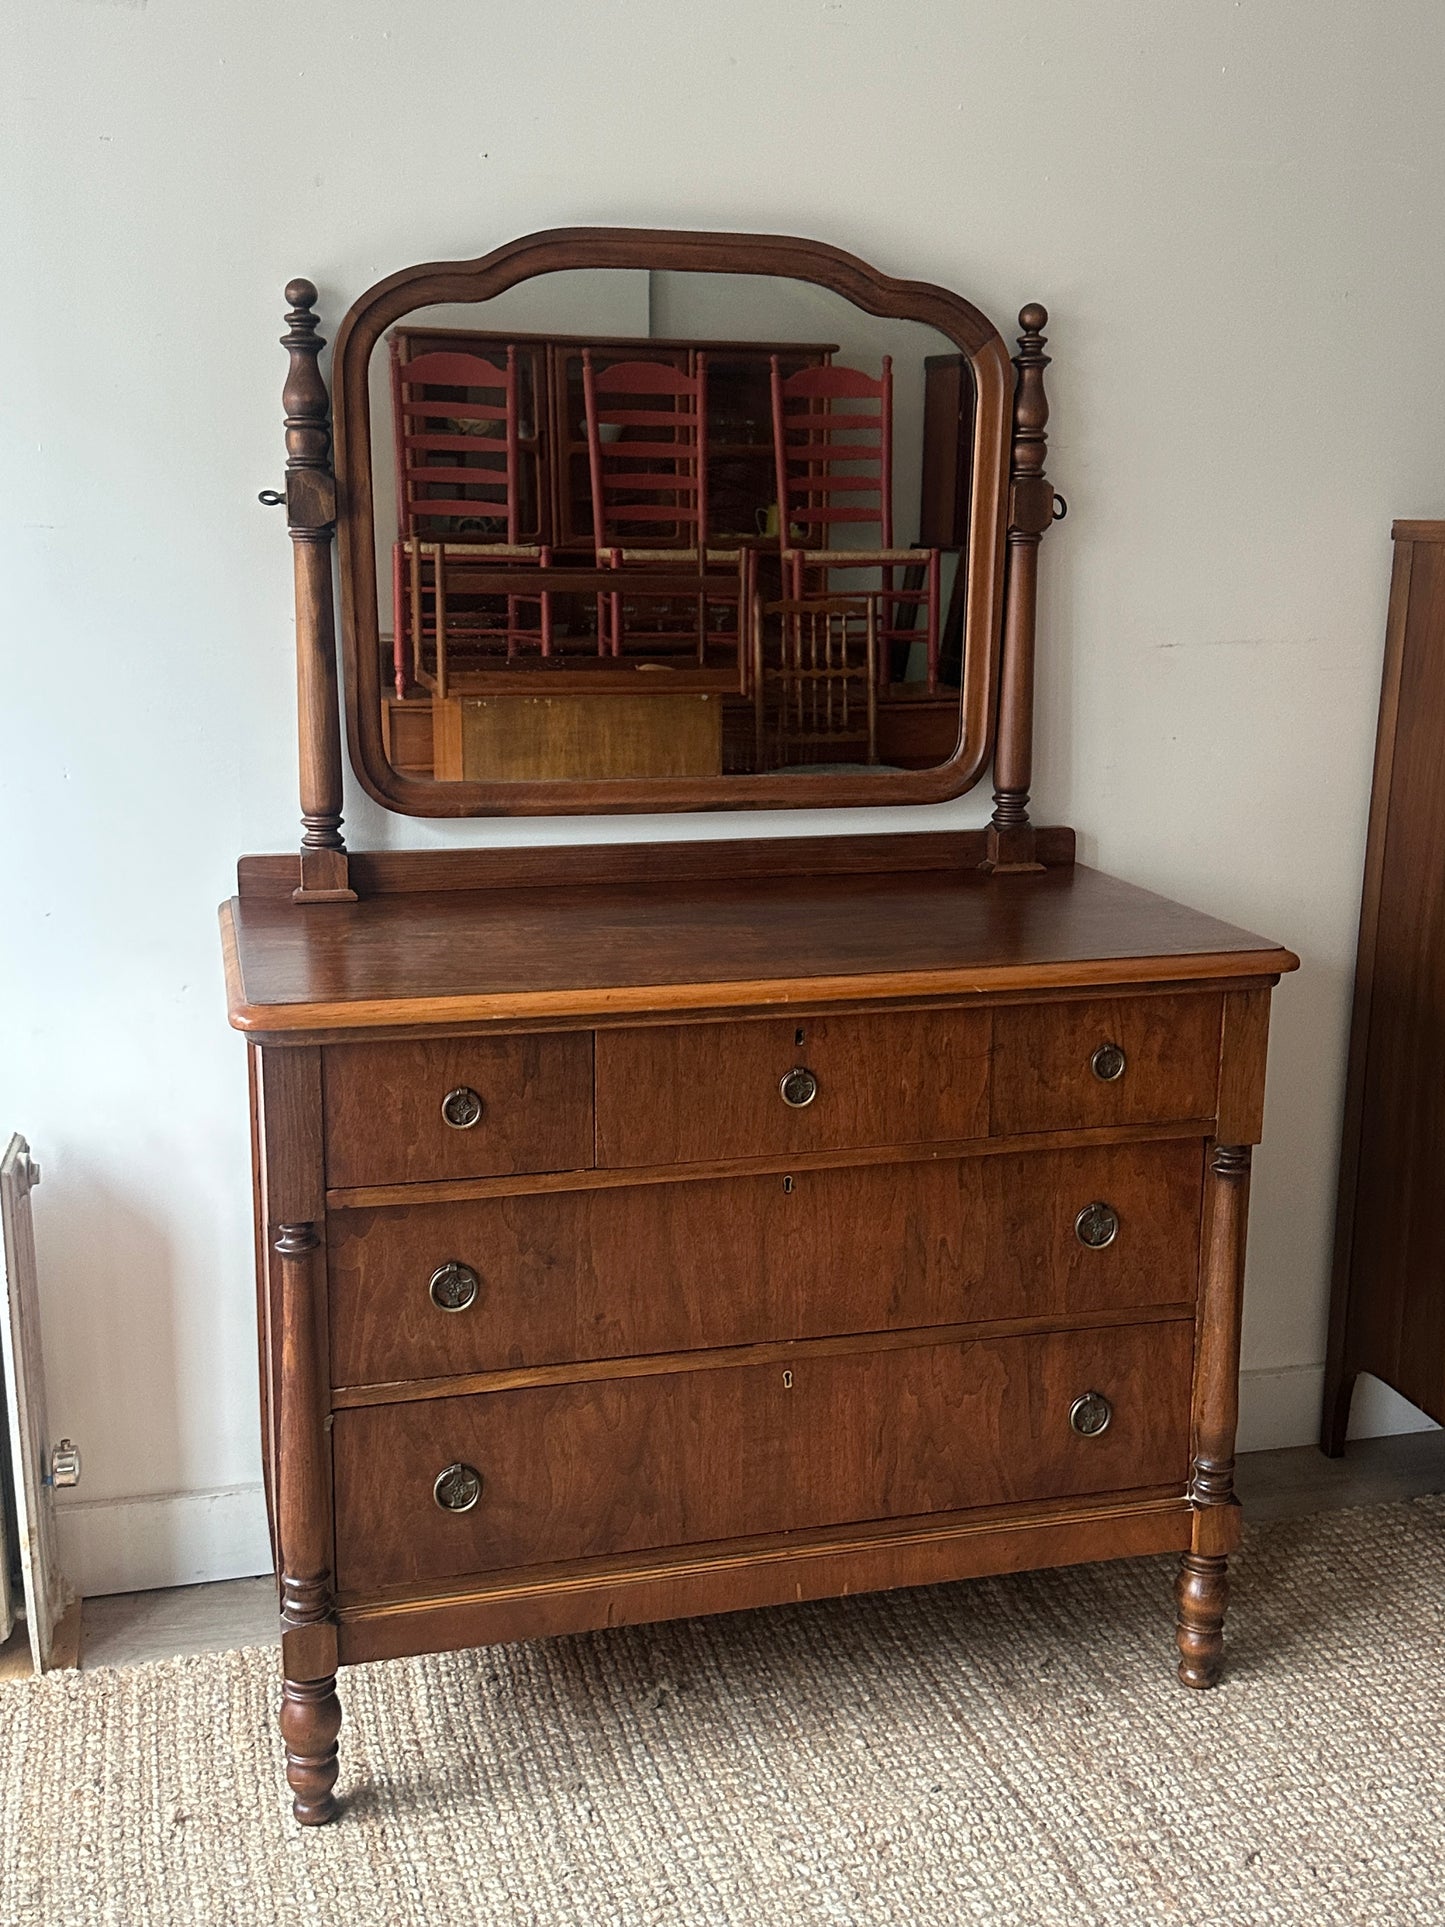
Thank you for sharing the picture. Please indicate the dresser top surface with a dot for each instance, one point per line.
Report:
(453, 957)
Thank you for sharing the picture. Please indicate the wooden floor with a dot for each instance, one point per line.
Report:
(126, 1629)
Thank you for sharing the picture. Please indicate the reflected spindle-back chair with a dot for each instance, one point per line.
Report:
(459, 498)
(814, 680)
(833, 450)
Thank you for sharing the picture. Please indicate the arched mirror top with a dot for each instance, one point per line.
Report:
(636, 520)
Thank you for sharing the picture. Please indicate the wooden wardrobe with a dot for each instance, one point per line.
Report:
(1387, 1314)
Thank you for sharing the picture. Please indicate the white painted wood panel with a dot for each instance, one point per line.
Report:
(46, 1593)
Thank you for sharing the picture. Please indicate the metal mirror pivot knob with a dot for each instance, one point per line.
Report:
(1090, 1415)
(799, 1087)
(1107, 1063)
(454, 1286)
(461, 1108)
(1097, 1225)
(458, 1488)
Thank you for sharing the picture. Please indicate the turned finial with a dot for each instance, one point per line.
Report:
(308, 427)
(1031, 404)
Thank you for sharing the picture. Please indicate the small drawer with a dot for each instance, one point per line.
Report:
(462, 1107)
(1116, 1060)
(435, 1488)
(698, 1092)
(424, 1291)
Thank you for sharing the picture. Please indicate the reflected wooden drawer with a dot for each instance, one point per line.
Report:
(696, 1092)
(462, 1107)
(579, 1275)
(1107, 1061)
(625, 1464)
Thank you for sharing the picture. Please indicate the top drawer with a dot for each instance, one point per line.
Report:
(697, 1092)
(1115, 1060)
(462, 1107)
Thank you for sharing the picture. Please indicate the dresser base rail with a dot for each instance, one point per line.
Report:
(769, 1572)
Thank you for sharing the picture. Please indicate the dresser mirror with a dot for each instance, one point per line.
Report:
(636, 521)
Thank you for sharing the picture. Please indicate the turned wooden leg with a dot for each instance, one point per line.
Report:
(310, 1724)
(310, 1710)
(1201, 1593)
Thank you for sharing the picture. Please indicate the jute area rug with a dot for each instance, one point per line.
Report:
(1008, 1751)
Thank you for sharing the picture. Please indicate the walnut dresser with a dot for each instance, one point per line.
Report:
(742, 1223)
(678, 1227)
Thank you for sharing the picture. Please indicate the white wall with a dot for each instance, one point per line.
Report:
(1230, 208)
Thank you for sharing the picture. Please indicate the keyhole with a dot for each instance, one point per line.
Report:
(787, 1184)
(787, 1381)
(798, 1035)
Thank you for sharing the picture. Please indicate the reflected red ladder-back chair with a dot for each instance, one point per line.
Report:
(833, 449)
(458, 490)
(647, 455)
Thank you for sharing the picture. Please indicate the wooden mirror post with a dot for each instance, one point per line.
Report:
(311, 518)
(1031, 511)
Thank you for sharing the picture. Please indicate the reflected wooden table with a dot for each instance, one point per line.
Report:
(596, 717)
(614, 719)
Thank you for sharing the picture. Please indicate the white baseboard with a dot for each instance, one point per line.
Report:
(164, 1539)
(1282, 1407)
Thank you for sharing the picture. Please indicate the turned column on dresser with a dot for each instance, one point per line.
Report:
(1202, 1590)
(289, 1152)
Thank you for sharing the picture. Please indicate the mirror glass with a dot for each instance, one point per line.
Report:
(637, 524)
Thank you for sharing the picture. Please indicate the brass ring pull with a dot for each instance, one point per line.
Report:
(1090, 1415)
(461, 1108)
(799, 1088)
(454, 1286)
(1097, 1225)
(1107, 1063)
(457, 1488)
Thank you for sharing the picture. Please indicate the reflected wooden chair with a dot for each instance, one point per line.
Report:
(459, 499)
(647, 453)
(833, 451)
(814, 680)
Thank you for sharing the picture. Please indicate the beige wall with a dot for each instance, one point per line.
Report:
(1229, 208)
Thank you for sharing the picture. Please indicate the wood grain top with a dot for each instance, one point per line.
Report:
(453, 957)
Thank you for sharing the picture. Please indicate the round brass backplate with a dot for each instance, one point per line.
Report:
(454, 1286)
(1090, 1414)
(457, 1488)
(799, 1088)
(1097, 1225)
(1108, 1063)
(462, 1108)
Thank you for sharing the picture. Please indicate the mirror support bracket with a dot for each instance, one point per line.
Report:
(1030, 512)
(311, 522)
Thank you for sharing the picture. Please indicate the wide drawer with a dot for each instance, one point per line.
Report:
(691, 1093)
(420, 1291)
(1106, 1061)
(461, 1107)
(581, 1470)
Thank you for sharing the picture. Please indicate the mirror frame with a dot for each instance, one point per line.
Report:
(560, 249)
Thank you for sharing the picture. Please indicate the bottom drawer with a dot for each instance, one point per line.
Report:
(627, 1464)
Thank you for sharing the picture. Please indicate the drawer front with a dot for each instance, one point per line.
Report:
(699, 1092)
(516, 1104)
(578, 1471)
(587, 1275)
(1114, 1060)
